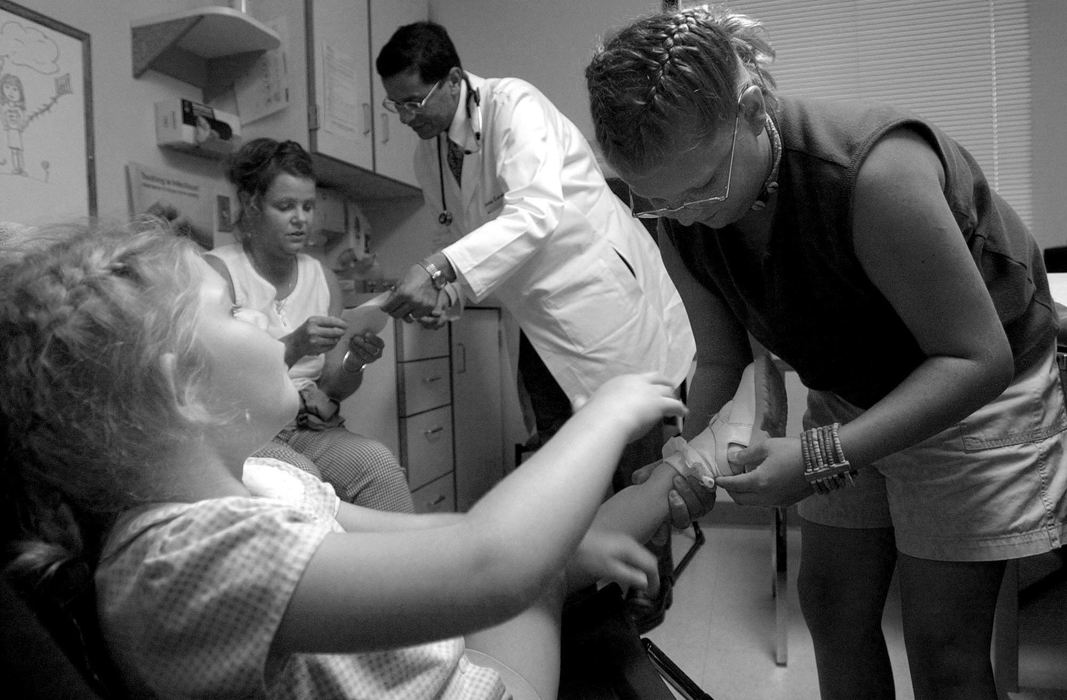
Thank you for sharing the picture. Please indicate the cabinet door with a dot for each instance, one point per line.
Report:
(337, 39)
(394, 143)
(477, 403)
(291, 122)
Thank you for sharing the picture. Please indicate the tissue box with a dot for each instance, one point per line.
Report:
(196, 128)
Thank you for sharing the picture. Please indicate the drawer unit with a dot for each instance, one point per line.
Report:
(426, 445)
(413, 342)
(435, 497)
(424, 385)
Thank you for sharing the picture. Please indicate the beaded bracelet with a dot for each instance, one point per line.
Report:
(825, 466)
(345, 367)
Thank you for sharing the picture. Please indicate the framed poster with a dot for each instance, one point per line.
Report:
(46, 112)
(189, 205)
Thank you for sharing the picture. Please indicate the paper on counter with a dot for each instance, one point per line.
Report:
(368, 317)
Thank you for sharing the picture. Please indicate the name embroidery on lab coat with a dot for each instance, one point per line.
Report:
(494, 200)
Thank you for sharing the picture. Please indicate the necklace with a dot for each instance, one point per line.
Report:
(770, 184)
(281, 290)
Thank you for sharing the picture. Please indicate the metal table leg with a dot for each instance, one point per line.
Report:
(779, 561)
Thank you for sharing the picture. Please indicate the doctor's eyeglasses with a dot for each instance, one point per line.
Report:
(409, 106)
(672, 210)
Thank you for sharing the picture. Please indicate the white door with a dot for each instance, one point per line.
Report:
(477, 404)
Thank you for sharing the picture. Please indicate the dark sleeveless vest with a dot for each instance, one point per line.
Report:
(807, 298)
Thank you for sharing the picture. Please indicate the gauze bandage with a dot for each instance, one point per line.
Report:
(710, 453)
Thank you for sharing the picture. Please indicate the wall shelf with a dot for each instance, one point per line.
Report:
(208, 47)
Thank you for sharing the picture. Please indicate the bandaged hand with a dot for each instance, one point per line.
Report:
(712, 453)
(688, 499)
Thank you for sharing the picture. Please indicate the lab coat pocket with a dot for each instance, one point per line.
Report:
(598, 307)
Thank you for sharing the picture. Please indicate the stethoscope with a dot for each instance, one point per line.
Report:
(445, 217)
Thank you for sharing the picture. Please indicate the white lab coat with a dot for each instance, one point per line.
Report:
(537, 226)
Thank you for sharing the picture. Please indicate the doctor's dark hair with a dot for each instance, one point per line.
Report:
(424, 46)
(671, 80)
(253, 168)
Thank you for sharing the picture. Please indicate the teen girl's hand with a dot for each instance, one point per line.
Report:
(687, 501)
(635, 400)
(774, 474)
(316, 335)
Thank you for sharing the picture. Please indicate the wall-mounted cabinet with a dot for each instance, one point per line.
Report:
(394, 143)
(335, 106)
(208, 47)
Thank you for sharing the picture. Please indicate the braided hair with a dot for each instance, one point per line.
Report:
(671, 80)
(86, 313)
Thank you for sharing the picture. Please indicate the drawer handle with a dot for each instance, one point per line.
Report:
(432, 432)
(431, 380)
(437, 501)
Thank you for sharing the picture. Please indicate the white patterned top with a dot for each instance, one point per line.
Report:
(190, 596)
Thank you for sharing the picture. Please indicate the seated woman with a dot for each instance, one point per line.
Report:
(298, 301)
(134, 396)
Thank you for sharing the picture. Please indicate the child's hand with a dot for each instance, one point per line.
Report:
(636, 401)
(608, 555)
(687, 501)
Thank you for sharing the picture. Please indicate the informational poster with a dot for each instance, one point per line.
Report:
(187, 204)
(341, 98)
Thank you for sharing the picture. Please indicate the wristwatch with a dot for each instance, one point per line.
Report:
(437, 275)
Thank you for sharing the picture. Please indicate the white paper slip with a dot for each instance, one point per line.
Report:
(368, 317)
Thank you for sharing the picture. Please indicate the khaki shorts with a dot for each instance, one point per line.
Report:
(992, 487)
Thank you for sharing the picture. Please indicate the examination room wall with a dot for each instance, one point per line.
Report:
(549, 43)
(123, 107)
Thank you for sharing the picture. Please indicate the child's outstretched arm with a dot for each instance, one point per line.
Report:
(368, 590)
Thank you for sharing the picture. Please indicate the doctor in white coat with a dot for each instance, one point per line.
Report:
(532, 221)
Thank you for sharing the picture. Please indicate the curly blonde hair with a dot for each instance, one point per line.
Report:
(89, 410)
(671, 79)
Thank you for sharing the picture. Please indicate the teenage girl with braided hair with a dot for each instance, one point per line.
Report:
(864, 247)
(134, 393)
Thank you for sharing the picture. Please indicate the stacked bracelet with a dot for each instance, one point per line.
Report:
(825, 466)
(345, 366)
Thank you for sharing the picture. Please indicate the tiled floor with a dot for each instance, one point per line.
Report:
(721, 627)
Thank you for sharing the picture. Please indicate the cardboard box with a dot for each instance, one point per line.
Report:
(196, 128)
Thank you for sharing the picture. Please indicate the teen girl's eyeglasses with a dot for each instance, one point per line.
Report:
(672, 210)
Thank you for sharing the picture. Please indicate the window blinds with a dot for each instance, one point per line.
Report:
(962, 64)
